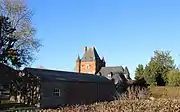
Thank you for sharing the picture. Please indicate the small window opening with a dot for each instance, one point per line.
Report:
(87, 67)
(57, 92)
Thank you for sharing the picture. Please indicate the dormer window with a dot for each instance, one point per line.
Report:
(110, 75)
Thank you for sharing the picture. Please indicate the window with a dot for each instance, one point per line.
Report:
(87, 66)
(57, 92)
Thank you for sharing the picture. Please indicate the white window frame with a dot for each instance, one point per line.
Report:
(109, 76)
(57, 92)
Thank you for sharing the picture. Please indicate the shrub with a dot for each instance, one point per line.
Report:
(157, 105)
(134, 93)
(173, 78)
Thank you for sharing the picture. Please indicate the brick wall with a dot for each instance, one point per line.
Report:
(89, 67)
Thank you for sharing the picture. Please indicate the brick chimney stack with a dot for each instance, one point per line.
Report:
(85, 49)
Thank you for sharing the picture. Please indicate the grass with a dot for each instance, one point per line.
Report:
(165, 92)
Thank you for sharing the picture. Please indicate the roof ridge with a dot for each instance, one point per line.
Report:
(112, 66)
(53, 70)
(47, 74)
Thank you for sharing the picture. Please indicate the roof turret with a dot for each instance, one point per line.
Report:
(78, 58)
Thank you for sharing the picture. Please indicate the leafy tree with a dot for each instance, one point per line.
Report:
(24, 85)
(139, 73)
(8, 53)
(155, 72)
(21, 19)
(149, 74)
(163, 63)
(173, 78)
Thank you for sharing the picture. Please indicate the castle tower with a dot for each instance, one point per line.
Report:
(78, 63)
(90, 62)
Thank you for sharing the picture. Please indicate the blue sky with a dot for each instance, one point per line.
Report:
(125, 32)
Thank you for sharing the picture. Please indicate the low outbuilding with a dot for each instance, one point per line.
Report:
(59, 88)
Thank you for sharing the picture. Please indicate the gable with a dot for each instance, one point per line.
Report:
(107, 71)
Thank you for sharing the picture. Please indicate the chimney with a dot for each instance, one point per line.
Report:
(92, 48)
(85, 49)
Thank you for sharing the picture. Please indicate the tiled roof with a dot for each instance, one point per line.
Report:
(54, 75)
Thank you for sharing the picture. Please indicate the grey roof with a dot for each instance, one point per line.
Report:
(119, 78)
(54, 75)
(7, 73)
(115, 69)
(126, 72)
(90, 55)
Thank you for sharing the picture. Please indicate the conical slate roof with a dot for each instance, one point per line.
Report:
(90, 55)
(78, 58)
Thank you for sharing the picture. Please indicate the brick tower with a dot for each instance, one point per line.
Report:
(90, 62)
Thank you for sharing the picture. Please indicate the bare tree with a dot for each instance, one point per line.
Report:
(21, 19)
